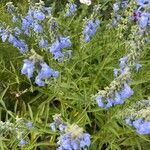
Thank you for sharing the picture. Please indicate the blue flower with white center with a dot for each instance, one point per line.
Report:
(28, 68)
(72, 8)
(39, 15)
(43, 43)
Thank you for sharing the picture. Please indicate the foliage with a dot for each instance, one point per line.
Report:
(90, 69)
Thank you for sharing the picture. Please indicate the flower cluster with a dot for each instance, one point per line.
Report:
(19, 128)
(13, 37)
(90, 29)
(71, 137)
(116, 8)
(45, 71)
(137, 116)
(141, 14)
(35, 16)
(71, 9)
(57, 47)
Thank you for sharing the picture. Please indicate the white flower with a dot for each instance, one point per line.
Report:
(87, 2)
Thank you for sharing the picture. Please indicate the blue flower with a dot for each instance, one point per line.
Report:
(45, 73)
(53, 126)
(64, 42)
(48, 10)
(28, 68)
(115, 7)
(123, 61)
(43, 43)
(99, 101)
(85, 140)
(143, 2)
(29, 125)
(14, 19)
(39, 81)
(138, 66)
(90, 29)
(143, 21)
(71, 10)
(12, 39)
(62, 127)
(17, 31)
(118, 99)
(4, 36)
(37, 27)
(39, 15)
(22, 142)
(25, 24)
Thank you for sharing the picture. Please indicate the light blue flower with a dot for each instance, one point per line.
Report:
(22, 142)
(39, 15)
(143, 21)
(43, 43)
(28, 68)
(37, 27)
(71, 10)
